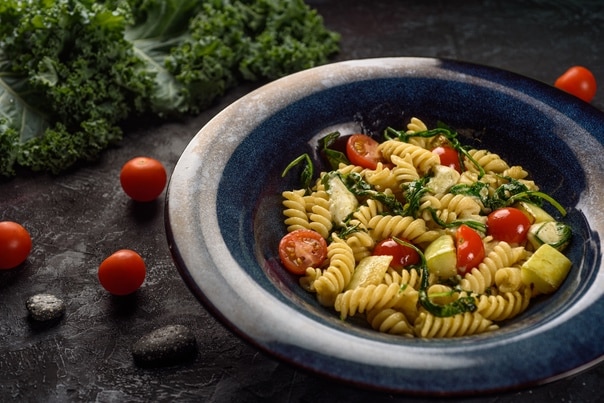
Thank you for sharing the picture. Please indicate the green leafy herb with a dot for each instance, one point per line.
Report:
(448, 134)
(72, 71)
(334, 157)
(413, 192)
(506, 194)
(359, 187)
(460, 305)
(307, 170)
(477, 225)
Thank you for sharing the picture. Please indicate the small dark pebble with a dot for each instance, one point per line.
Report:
(169, 345)
(45, 307)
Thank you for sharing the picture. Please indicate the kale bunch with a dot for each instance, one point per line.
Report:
(72, 71)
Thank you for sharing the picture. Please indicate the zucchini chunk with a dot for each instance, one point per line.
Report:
(553, 233)
(369, 271)
(441, 257)
(545, 270)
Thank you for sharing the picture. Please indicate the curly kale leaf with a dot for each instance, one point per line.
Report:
(77, 69)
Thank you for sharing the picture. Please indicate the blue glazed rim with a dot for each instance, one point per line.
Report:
(223, 222)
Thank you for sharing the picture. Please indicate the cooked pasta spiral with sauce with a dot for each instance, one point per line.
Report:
(417, 246)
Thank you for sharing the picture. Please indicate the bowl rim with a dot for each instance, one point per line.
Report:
(200, 258)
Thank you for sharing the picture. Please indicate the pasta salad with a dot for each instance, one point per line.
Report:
(422, 236)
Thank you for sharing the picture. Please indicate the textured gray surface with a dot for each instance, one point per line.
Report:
(79, 218)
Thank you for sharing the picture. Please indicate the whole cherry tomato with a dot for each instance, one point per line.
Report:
(123, 272)
(143, 178)
(363, 151)
(301, 249)
(15, 244)
(470, 249)
(579, 82)
(402, 255)
(508, 224)
(448, 157)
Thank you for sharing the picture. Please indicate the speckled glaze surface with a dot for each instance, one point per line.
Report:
(224, 221)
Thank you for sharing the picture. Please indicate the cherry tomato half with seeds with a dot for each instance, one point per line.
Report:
(579, 82)
(508, 224)
(15, 244)
(143, 178)
(301, 249)
(363, 151)
(449, 157)
(123, 272)
(470, 249)
(402, 255)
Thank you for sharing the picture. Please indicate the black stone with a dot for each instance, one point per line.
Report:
(169, 345)
(45, 307)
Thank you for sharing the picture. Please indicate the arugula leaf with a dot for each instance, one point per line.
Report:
(460, 305)
(445, 132)
(334, 157)
(307, 170)
(359, 187)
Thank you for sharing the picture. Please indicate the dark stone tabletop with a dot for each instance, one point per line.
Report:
(78, 218)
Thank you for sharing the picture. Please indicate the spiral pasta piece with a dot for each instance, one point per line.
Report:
(307, 281)
(505, 306)
(508, 279)
(404, 171)
(422, 158)
(483, 276)
(416, 125)
(362, 299)
(366, 212)
(389, 321)
(338, 274)
(381, 178)
(361, 243)
(489, 161)
(441, 294)
(295, 210)
(411, 278)
(414, 230)
(320, 219)
(464, 324)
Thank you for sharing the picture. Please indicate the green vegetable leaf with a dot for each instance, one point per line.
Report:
(357, 186)
(307, 170)
(17, 111)
(460, 305)
(71, 71)
(334, 157)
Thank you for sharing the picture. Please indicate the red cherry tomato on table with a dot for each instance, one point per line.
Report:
(402, 255)
(15, 244)
(143, 178)
(301, 249)
(362, 150)
(470, 249)
(123, 272)
(579, 82)
(508, 224)
(448, 157)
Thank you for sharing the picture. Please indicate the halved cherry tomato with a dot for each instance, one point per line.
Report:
(15, 244)
(449, 157)
(470, 249)
(402, 256)
(579, 82)
(508, 224)
(362, 150)
(301, 249)
(143, 178)
(123, 272)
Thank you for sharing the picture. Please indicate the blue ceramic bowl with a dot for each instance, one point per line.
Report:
(224, 221)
